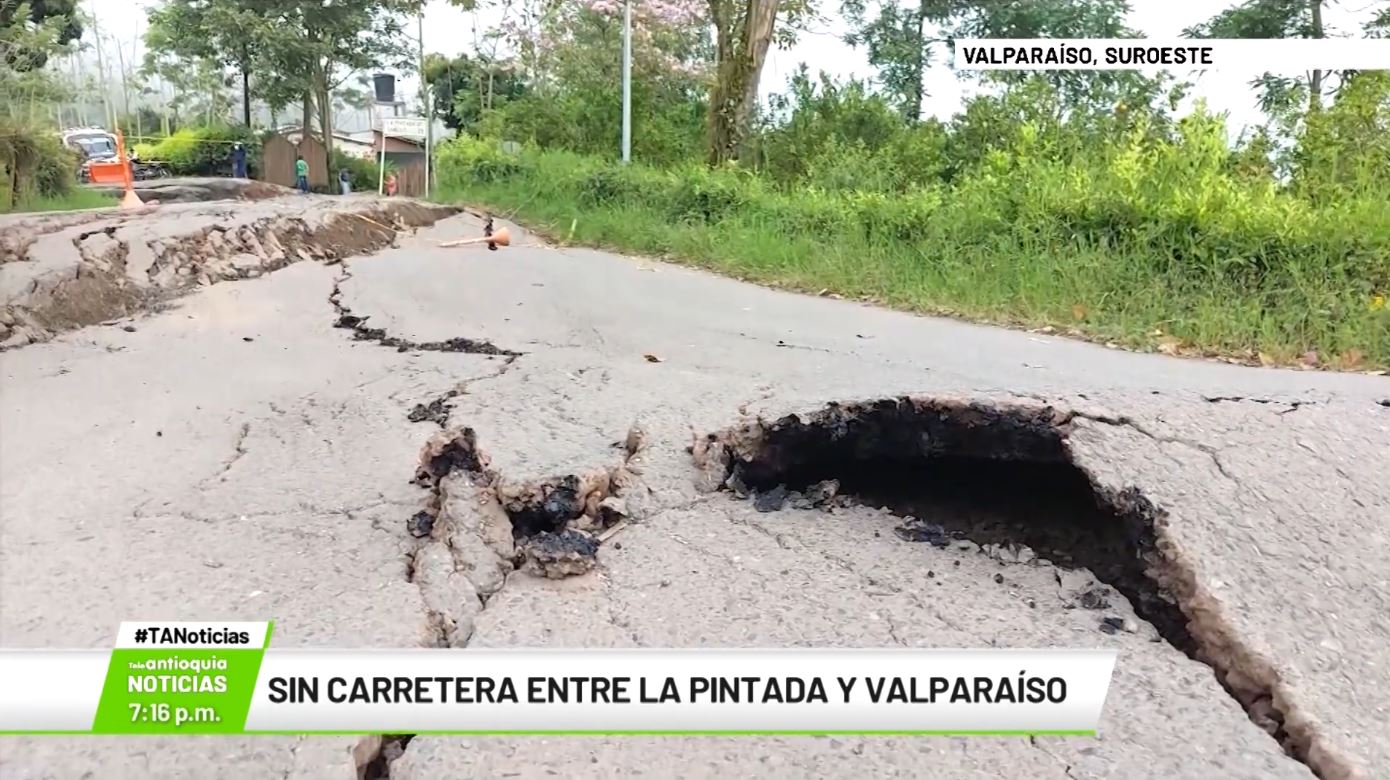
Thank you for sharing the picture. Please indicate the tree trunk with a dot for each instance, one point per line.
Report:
(325, 100)
(742, 51)
(919, 65)
(306, 125)
(1315, 81)
(245, 93)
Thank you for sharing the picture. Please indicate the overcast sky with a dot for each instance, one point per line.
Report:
(449, 30)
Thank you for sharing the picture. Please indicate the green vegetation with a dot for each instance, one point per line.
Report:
(75, 200)
(1084, 202)
(34, 166)
(1147, 237)
(202, 151)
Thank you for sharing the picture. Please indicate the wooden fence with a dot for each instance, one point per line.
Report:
(278, 158)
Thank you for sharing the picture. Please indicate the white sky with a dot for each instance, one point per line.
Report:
(449, 30)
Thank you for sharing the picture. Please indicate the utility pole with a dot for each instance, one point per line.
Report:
(425, 100)
(125, 86)
(101, 69)
(627, 81)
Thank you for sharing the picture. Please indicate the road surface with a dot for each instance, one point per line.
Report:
(240, 454)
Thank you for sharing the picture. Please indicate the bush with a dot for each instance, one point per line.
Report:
(204, 151)
(33, 164)
(361, 171)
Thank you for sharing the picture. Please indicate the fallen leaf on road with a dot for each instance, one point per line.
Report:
(652, 358)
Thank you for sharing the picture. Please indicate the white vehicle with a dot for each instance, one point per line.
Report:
(92, 144)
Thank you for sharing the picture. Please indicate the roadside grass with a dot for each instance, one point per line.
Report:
(76, 200)
(1293, 294)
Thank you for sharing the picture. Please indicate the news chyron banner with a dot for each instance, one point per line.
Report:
(223, 678)
(1181, 54)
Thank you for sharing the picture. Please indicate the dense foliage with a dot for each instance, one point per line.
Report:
(202, 151)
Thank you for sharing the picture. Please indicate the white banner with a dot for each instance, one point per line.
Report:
(808, 691)
(1178, 54)
(682, 690)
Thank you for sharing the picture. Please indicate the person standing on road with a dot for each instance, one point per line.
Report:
(301, 174)
(238, 162)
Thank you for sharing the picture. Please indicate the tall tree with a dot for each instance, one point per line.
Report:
(222, 31)
(744, 31)
(320, 45)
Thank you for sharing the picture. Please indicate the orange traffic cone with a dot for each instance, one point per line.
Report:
(129, 200)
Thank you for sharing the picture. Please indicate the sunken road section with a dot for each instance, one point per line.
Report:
(1000, 477)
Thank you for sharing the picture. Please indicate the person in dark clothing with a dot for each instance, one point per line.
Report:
(301, 174)
(239, 161)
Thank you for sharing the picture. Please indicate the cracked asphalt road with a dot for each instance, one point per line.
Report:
(182, 471)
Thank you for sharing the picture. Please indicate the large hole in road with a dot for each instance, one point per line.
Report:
(957, 472)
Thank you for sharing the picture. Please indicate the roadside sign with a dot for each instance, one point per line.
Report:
(404, 126)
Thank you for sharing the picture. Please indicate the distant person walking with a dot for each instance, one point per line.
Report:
(301, 174)
(345, 181)
(239, 162)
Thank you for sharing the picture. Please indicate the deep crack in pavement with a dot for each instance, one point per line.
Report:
(999, 479)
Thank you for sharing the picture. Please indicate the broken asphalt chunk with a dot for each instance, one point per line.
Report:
(420, 524)
(771, 500)
(558, 555)
(915, 530)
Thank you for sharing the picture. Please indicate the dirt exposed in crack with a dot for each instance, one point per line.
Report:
(436, 411)
(457, 344)
(389, 747)
(361, 332)
(1002, 476)
(124, 264)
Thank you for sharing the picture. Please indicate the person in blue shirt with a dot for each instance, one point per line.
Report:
(239, 161)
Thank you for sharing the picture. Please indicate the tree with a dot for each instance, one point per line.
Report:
(466, 86)
(300, 50)
(317, 46)
(226, 32)
(56, 22)
(900, 40)
(564, 89)
(200, 86)
(1079, 90)
(1274, 19)
(898, 45)
(743, 33)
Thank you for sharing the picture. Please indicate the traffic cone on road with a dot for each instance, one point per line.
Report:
(129, 200)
